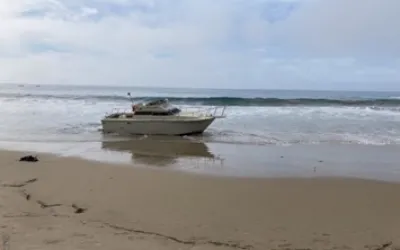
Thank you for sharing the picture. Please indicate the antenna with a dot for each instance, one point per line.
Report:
(130, 97)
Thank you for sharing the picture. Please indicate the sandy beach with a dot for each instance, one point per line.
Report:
(69, 203)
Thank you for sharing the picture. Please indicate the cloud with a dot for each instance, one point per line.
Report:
(360, 28)
(202, 43)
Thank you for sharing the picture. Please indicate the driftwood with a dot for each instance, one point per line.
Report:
(5, 242)
(21, 184)
(384, 246)
(44, 205)
(78, 210)
(25, 194)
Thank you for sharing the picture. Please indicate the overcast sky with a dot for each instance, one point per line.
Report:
(312, 44)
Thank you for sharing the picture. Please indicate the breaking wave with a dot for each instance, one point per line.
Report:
(221, 101)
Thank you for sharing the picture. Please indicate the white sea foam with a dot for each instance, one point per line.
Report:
(55, 119)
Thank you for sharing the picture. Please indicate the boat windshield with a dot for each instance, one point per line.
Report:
(156, 102)
(172, 111)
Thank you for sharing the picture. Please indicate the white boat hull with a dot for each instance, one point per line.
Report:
(156, 126)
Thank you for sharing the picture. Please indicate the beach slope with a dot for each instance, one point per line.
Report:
(67, 203)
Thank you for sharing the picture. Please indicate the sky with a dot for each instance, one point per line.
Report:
(279, 44)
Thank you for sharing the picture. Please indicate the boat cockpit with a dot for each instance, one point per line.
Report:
(172, 111)
(156, 102)
(157, 107)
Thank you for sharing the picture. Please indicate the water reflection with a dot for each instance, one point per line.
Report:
(160, 151)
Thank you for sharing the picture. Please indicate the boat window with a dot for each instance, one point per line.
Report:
(156, 102)
(159, 113)
(113, 116)
(174, 111)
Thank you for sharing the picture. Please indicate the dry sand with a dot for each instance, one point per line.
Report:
(156, 209)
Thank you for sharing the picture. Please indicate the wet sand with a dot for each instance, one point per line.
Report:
(139, 208)
(238, 160)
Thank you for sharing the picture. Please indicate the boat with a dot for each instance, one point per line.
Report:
(159, 117)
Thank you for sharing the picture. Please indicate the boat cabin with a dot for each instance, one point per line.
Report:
(157, 107)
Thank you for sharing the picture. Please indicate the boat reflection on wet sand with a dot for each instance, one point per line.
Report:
(161, 151)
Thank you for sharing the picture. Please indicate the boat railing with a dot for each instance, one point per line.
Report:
(119, 111)
(217, 111)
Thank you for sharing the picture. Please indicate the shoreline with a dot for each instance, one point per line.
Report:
(272, 161)
(148, 168)
(156, 209)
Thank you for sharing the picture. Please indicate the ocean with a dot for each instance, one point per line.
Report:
(260, 124)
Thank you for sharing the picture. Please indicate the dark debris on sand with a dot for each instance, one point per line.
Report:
(29, 158)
